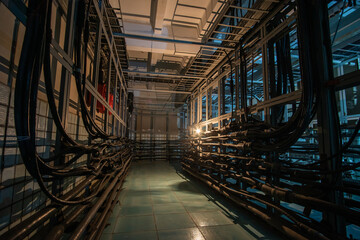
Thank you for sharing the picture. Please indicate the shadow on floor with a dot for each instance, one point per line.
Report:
(237, 214)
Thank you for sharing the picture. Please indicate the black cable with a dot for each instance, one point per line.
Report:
(338, 23)
(231, 81)
(35, 55)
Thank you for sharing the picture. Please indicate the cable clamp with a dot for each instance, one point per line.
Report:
(76, 69)
(23, 138)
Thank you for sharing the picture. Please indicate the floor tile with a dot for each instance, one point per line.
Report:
(168, 208)
(227, 232)
(136, 193)
(111, 225)
(210, 218)
(249, 228)
(116, 210)
(123, 193)
(192, 197)
(136, 210)
(137, 201)
(160, 192)
(185, 187)
(138, 187)
(164, 198)
(200, 206)
(173, 221)
(181, 234)
(155, 188)
(106, 236)
(134, 224)
(136, 236)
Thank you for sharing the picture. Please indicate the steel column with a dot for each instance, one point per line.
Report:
(264, 53)
(65, 83)
(236, 81)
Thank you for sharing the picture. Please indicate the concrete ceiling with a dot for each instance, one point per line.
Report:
(171, 19)
(175, 44)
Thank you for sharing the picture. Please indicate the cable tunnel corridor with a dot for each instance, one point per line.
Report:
(179, 119)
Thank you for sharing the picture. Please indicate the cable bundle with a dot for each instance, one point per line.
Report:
(250, 161)
(106, 157)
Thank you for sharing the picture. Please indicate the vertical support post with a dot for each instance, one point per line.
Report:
(191, 112)
(141, 126)
(222, 93)
(152, 136)
(264, 53)
(117, 110)
(199, 108)
(188, 111)
(209, 104)
(342, 97)
(276, 164)
(96, 62)
(243, 99)
(219, 100)
(65, 84)
(134, 127)
(140, 133)
(243, 81)
(167, 137)
(126, 116)
(207, 108)
(108, 84)
(65, 75)
(54, 63)
(237, 100)
(9, 84)
(122, 110)
(114, 121)
(315, 46)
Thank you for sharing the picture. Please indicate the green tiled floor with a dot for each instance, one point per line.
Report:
(173, 221)
(160, 203)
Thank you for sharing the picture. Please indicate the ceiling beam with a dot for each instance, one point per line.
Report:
(158, 90)
(158, 102)
(154, 100)
(249, 9)
(163, 74)
(160, 39)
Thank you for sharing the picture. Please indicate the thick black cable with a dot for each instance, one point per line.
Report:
(36, 48)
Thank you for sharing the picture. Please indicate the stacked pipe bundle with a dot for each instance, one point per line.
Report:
(265, 184)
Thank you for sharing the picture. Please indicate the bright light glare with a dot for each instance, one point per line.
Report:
(198, 130)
